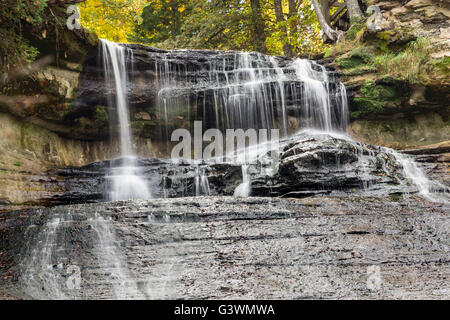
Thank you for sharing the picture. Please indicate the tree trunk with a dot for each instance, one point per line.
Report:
(326, 10)
(354, 11)
(258, 27)
(292, 26)
(327, 30)
(287, 50)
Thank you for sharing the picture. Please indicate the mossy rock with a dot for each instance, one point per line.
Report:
(356, 58)
(356, 28)
(101, 115)
(377, 96)
(365, 69)
(145, 128)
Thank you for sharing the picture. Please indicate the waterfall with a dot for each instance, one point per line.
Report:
(248, 90)
(125, 179)
(201, 183)
(43, 276)
(236, 90)
(244, 189)
(243, 90)
(429, 189)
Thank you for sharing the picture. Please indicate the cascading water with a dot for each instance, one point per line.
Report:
(251, 90)
(248, 90)
(125, 179)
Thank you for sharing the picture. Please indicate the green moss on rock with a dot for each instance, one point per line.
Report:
(101, 115)
(356, 58)
(377, 97)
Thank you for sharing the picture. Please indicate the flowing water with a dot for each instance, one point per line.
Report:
(249, 90)
(126, 179)
(234, 90)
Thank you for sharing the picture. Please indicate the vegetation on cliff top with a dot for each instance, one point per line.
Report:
(386, 66)
(270, 26)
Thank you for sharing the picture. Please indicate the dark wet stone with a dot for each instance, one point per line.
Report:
(266, 248)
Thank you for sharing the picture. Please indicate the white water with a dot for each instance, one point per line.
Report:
(201, 183)
(112, 261)
(431, 190)
(42, 275)
(248, 90)
(244, 189)
(126, 180)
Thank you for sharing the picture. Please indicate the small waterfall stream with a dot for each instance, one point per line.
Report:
(126, 180)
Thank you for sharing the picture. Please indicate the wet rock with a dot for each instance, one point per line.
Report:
(310, 163)
(221, 247)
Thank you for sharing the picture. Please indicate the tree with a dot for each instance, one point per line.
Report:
(292, 15)
(258, 26)
(326, 10)
(354, 11)
(114, 20)
(287, 49)
(268, 26)
(163, 19)
(326, 28)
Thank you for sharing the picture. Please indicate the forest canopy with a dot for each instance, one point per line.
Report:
(270, 26)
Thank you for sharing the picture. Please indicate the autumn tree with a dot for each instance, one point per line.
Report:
(326, 28)
(350, 9)
(259, 32)
(287, 50)
(269, 26)
(114, 20)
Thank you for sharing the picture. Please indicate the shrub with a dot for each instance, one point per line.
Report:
(407, 64)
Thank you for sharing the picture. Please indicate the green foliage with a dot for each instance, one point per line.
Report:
(101, 115)
(411, 63)
(375, 97)
(226, 25)
(357, 62)
(442, 66)
(114, 20)
(407, 64)
(356, 57)
(14, 48)
(17, 164)
(356, 25)
(302, 31)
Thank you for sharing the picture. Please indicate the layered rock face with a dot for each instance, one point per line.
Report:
(309, 164)
(225, 248)
(71, 127)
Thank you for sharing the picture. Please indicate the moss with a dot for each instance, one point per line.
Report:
(101, 115)
(360, 70)
(355, 58)
(375, 97)
(145, 128)
(17, 164)
(408, 64)
(442, 66)
(84, 123)
(357, 25)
